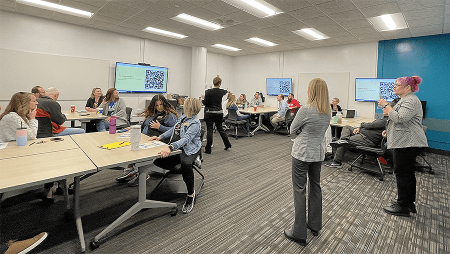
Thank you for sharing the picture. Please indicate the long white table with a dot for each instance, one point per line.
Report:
(123, 156)
(47, 162)
(84, 118)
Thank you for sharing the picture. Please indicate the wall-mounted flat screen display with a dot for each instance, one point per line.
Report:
(135, 78)
(372, 89)
(276, 86)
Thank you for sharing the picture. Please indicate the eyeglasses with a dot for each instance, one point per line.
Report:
(397, 85)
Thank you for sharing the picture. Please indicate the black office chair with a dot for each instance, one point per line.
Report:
(178, 186)
(128, 110)
(45, 129)
(381, 155)
(232, 121)
(286, 124)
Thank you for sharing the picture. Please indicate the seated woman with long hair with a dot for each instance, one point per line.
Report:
(185, 135)
(231, 105)
(113, 106)
(160, 116)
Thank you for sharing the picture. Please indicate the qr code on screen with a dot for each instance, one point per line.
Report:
(154, 79)
(285, 88)
(387, 90)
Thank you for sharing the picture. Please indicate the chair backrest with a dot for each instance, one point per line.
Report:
(128, 110)
(232, 115)
(45, 129)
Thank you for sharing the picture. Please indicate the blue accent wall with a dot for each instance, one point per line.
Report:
(429, 58)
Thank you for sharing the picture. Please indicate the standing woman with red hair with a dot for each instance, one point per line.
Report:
(406, 137)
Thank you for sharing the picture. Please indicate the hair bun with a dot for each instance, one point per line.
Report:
(417, 79)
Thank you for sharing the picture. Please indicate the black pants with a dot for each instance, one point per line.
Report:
(404, 160)
(217, 119)
(186, 161)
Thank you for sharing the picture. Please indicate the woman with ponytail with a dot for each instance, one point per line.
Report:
(406, 137)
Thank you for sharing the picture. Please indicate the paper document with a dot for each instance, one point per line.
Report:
(151, 144)
(3, 145)
(115, 145)
(125, 135)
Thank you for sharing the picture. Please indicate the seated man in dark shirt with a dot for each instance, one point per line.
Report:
(367, 134)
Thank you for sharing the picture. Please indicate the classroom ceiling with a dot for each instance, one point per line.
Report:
(344, 21)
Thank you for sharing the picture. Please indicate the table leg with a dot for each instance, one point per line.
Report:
(142, 203)
(260, 126)
(76, 198)
(72, 124)
(83, 125)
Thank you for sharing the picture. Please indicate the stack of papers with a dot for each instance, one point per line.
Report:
(151, 144)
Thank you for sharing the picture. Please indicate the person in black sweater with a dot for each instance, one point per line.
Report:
(214, 114)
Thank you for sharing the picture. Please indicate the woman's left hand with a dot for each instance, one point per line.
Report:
(165, 153)
(382, 102)
(155, 125)
(387, 110)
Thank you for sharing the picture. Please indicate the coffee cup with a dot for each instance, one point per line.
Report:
(72, 108)
(255, 108)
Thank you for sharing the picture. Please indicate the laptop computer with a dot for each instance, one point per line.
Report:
(350, 113)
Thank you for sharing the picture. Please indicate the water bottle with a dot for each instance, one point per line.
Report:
(21, 136)
(112, 125)
(339, 117)
(135, 137)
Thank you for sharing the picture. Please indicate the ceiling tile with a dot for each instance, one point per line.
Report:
(347, 16)
(199, 2)
(357, 23)
(220, 7)
(260, 23)
(274, 30)
(203, 14)
(434, 20)
(281, 19)
(336, 6)
(418, 4)
(119, 8)
(396, 34)
(178, 5)
(378, 10)
(319, 21)
(424, 29)
(136, 4)
(97, 3)
(34, 11)
(425, 12)
(7, 3)
(81, 6)
(158, 10)
(69, 18)
(366, 3)
(294, 26)
(289, 5)
(306, 13)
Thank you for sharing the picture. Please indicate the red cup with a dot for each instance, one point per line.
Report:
(72, 108)
(255, 108)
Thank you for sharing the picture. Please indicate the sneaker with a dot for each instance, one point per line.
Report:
(26, 245)
(188, 204)
(134, 181)
(198, 162)
(127, 174)
(334, 165)
(411, 207)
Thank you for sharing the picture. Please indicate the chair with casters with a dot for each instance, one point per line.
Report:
(286, 124)
(380, 154)
(176, 185)
(233, 122)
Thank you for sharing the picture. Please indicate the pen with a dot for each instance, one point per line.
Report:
(32, 143)
(122, 143)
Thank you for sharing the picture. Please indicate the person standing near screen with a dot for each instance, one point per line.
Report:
(312, 120)
(214, 114)
(406, 137)
(113, 106)
(95, 100)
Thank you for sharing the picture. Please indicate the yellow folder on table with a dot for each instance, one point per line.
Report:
(115, 145)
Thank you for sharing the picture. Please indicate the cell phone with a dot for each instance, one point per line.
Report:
(122, 130)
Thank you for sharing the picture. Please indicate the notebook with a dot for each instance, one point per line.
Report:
(350, 113)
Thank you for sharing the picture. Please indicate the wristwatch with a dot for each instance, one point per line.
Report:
(171, 148)
(385, 106)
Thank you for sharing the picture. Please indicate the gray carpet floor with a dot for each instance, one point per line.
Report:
(244, 206)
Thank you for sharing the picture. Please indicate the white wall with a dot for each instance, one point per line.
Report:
(242, 74)
(250, 72)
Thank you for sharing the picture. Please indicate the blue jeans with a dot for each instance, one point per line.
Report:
(102, 125)
(245, 117)
(301, 173)
(70, 131)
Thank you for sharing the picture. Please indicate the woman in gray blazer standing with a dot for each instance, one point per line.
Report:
(405, 136)
(308, 152)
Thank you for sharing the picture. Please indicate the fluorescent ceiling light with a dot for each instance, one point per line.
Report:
(56, 7)
(164, 33)
(311, 34)
(221, 46)
(389, 22)
(258, 8)
(191, 20)
(261, 42)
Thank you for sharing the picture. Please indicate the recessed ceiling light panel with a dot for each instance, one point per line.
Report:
(56, 7)
(258, 8)
(164, 33)
(261, 42)
(191, 20)
(221, 46)
(389, 22)
(311, 34)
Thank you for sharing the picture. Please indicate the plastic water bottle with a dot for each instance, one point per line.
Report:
(135, 137)
(112, 125)
(21, 136)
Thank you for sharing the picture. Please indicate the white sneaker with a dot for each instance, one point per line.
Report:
(127, 175)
